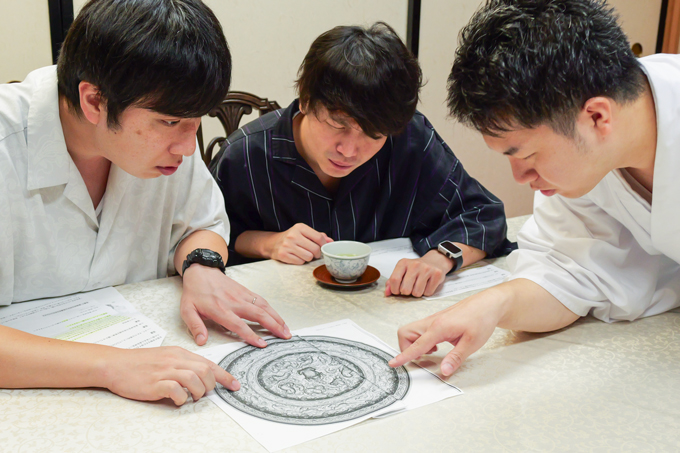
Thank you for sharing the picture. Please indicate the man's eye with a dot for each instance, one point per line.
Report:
(335, 126)
(170, 123)
(527, 158)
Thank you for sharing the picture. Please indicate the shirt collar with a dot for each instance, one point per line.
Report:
(283, 141)
(48, 159)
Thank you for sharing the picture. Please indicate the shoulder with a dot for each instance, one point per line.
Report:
(255, 130)
(14, 105)
(420, 142)
(419, 137)
(27, 99)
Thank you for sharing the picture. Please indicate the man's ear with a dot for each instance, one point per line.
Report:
(91, 103)
(597, 115)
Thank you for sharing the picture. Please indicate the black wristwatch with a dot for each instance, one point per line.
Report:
(451, 250)
(204, 257)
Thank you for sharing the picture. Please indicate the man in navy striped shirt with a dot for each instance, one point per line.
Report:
(353, 160)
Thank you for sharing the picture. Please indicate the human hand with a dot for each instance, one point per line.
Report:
(418, 277)
(298, 245)
(150, 374)
(466, 325)
(208, 293)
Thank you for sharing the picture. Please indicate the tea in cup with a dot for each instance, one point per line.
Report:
(346, 261)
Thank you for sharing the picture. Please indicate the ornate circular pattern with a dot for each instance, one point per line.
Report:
(313, 380)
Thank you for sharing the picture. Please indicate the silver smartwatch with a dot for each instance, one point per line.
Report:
(451, 250)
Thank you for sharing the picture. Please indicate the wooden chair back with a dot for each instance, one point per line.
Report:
(230, 112)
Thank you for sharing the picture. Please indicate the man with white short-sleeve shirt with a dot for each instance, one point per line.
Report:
(100, 185)
(554, 86)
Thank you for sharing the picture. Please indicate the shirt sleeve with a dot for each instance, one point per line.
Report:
(592, 263)
(462, 210)
(6, 246)
(199, 206)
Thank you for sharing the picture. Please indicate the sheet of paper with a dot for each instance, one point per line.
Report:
(477, 276)
(386, 254)
(424, 388)
(102, 317)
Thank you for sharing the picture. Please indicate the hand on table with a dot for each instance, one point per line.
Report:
(208, 293)
(418, 277)
(150, 374)
(298, 245)
(466, 325)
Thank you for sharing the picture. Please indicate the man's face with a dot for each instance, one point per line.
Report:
(335, 143)
(148, 144)
(551, 162)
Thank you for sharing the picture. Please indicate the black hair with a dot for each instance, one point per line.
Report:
(527, 63)
(169, 56)
(366, 73)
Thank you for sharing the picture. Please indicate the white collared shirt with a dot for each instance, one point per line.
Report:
(610, 253)
(52, 242)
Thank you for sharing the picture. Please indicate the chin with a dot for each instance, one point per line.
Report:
(149, 174)
(337, 173)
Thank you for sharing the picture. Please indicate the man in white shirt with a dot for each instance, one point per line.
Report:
(553, 86)
(100, 185)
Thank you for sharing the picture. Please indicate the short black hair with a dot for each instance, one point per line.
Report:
(169, 56)
(366, 73)
(527, 63)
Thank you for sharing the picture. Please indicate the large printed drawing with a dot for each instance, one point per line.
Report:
(313, 380)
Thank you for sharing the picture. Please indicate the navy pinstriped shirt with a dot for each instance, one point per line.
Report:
(413, 187)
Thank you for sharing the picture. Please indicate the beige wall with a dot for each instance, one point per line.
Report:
(25, 38)
(441, 20)
(640, 21)
(269, 38)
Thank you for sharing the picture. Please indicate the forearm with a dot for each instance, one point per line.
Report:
(524, 305)
(201, 239)
(470, 256)
(256, 244)
(30, 361)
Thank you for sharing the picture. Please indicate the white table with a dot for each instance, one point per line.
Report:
(589, 387)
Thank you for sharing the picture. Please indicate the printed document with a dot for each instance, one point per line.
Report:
(386, 254)
(103, 317)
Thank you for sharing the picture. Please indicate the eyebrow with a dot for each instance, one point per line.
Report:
(511, 151)
(342, 120)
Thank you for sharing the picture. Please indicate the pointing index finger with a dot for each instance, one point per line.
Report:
(419, 347)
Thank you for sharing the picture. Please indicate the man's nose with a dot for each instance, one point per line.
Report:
(348, 148)
(186, 145)
(521, 171)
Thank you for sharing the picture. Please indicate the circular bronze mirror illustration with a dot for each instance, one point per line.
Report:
(312, 380)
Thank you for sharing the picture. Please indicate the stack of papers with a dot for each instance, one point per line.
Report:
(386, 254)
(102, 317)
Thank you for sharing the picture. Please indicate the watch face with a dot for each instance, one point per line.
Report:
(451, 248)
(207, 258)
(207, 255)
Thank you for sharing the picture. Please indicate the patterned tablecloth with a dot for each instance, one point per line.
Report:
(589, 387)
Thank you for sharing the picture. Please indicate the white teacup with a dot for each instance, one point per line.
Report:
(346, 260)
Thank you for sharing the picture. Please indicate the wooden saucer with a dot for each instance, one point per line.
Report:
(323, 276)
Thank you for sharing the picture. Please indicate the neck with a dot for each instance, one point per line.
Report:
(79, 135)
(638, 143)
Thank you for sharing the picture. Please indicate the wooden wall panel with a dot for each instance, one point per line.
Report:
(671, 39)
